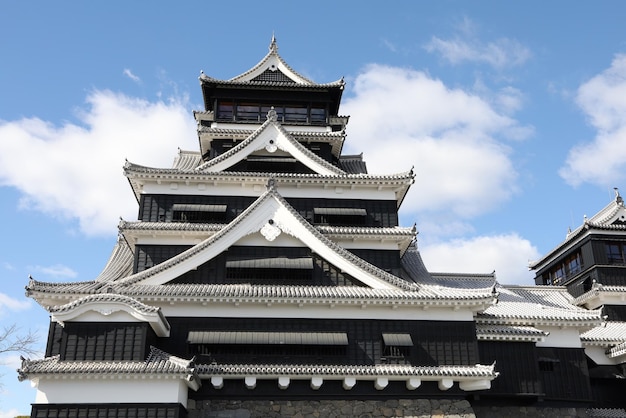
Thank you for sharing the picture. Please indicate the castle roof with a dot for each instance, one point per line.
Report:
(611, 218)
(548, 306)
(158, 365)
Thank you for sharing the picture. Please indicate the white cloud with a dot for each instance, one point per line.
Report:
(500, 53)
(603, 160)
(7, 303)
(507, 254)
(128, 73)
(11, 413)
(11, 361)
(75, 171)
(466, 46)
(56, 271)
(448, 135)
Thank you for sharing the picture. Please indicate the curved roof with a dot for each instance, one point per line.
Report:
(137, 174)
(537, 305)
(611, 218)
(158, 364)
(270, 136)
(271, 70)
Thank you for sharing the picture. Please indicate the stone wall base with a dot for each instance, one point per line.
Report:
(408, 408)
(422, 408)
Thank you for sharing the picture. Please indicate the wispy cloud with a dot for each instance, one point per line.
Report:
(8, 303)
(76, 173)
(601, 161)
(8, 266)
(55, 271)
(465, 45)
(11, 413)
(128, 73)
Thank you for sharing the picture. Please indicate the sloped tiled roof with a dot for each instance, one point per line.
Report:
(353, 164)
(285, 294)
(281, 73)
(610, 333)
(208, 370)
(544, 305)
(597, 290)
(105, 297)
(157, 364)
(486, 332)
(120, 263)
(611, 218)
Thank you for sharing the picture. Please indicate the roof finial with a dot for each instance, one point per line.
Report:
(618, 198)
(273, 46)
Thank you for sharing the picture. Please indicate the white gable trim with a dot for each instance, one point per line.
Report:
(102, 306)
(270, 137)
(270, 216)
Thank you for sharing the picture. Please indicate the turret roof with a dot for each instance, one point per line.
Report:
(272, 70)
(611, 218)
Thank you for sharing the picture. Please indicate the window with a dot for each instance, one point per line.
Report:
(396, 348)
(225, 110)
(251, 111)
(339, 216)
(248, 112)
(565, 269)
(269, 347)
(547, 364)
(318, 116)
(199, 213)
(574, 263)
(615, 252)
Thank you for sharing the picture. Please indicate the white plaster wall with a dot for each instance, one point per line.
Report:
(95, 316)
(111, 391)
(321, 311)
(286, 190)
(257, 239)
(598, 354)
(561, 337)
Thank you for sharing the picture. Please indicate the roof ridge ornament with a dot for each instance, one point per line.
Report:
(618, 199)
(273, 46)
(272, 115)
(271, 184)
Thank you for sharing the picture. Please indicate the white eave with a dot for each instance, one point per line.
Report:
(138, 176)
(469, 378)
(106, 304)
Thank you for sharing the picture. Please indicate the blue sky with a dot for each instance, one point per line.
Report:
(513, 115)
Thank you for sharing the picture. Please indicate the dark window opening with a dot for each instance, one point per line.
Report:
(396, 348)
(615, 252)
(547, 364)
(340, 216)
(297, 270)
(225, 110)
(250, 111)
(196, 213)
(565, 269)
(268, 347)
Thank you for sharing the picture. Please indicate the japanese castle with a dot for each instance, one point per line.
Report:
(268, 267)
